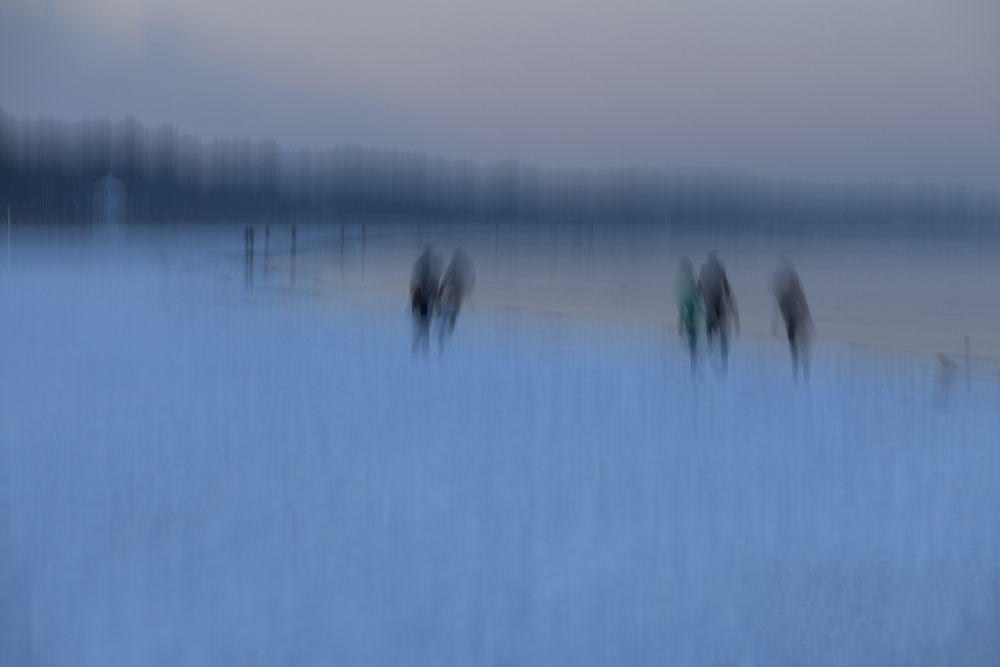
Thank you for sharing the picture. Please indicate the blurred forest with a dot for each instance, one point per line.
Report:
(50, 172)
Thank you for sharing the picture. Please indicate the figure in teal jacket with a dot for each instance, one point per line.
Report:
(689, 311)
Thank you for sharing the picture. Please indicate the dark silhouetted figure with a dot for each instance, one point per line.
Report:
(248, 256)
(720, 305)
(424, 285)
(267, 247)
(294, 232)
(787, 289)
(944, 380)
(688, 308)
(457, 283)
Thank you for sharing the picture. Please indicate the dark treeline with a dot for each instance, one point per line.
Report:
(52, 171)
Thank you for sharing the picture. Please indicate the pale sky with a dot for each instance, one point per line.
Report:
(845, 90)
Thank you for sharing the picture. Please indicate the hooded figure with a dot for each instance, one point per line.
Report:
(787, 289)
(720, 306)
(423, 290)
(457, 283)
(688, 308)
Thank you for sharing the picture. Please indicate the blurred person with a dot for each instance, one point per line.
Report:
(424, 285)
(787, 290)
(248, 256)
(720, 305)
(456, 284)
(267, 247)
(944, 380)
(688, 307)
(292, 275)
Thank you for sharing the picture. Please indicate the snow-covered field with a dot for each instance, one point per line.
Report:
(197, 473)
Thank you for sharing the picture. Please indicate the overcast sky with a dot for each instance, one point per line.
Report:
(844, 90)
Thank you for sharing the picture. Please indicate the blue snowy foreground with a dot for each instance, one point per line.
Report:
(192, 473)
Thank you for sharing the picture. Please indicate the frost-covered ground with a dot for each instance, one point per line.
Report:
(197, 473)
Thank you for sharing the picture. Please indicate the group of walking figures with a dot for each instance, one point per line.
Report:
(709, 299)
(704, 303)
(433, 295)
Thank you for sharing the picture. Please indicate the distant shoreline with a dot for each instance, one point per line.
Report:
(543, 300)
